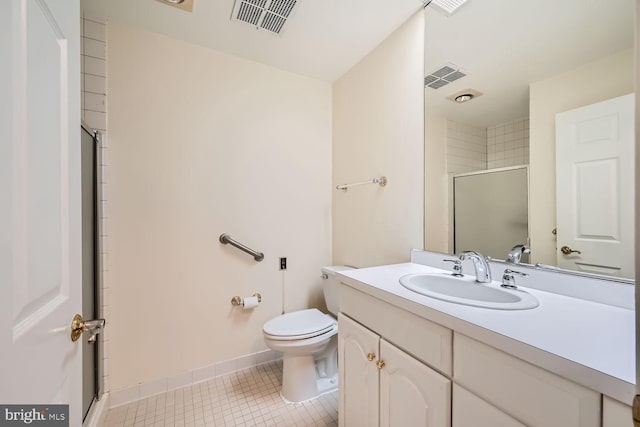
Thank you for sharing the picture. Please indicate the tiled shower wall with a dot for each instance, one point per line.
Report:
(466, 148)
(94, 113)
(508, 144)
(472, 149)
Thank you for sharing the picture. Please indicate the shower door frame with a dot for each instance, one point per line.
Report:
(99, 354)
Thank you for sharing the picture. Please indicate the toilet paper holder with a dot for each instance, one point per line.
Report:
(238, 301)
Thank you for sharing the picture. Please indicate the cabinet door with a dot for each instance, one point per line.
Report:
(359, 382)
(471, 411)
(411, 394)
(616, 414)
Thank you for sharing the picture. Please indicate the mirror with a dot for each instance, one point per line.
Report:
(529, 71)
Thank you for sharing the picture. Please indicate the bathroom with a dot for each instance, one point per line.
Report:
(199, 139)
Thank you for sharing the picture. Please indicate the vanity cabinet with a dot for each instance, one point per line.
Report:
(534, 396)
(381, 385)
(401, 369)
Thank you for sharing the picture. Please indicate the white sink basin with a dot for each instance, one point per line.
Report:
(465, 290)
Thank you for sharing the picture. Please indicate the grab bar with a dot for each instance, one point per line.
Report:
(225, 238)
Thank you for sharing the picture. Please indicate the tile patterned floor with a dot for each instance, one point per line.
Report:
(247, 398)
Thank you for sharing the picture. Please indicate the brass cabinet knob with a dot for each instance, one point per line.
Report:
(371, 357)
(380, 364)
(567, 250)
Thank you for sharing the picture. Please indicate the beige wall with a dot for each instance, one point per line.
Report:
(378, 115)
(203, 143)
(607, 78)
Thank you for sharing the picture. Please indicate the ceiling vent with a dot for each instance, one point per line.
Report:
(447, 7)
(443, 76)
(270, 15)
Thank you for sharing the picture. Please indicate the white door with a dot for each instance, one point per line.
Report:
(411, 393)
(357, 357)
(40, 225)
(594, 188)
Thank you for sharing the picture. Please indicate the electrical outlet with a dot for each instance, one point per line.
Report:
(283, 263)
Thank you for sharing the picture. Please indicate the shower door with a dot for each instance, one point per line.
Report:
(491, 211)
(90, 294)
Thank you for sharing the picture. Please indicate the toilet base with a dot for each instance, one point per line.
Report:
(300, 381)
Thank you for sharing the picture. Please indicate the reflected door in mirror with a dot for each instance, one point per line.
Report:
(595, 196)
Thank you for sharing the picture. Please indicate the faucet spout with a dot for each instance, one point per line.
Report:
(515, 254)
(483, 271)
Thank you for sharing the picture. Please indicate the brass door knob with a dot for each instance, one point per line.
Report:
(380, 364)
(567, 250)
(79, 325)
(371, 357)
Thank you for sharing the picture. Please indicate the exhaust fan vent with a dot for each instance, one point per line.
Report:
(270, 15)
(447, 7)
(443, 76)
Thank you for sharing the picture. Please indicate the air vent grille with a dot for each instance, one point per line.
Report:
(443, 76)
(270, 15)
(249, 13)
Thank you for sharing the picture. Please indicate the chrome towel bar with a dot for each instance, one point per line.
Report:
(225, 238)
(382, 181)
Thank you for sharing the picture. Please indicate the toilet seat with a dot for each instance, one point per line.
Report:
(299, 325)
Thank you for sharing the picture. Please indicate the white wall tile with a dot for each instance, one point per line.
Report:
(94, 66)
(94, 48)
(94, 19)
(511, 136)
(96, 119)
(96, 102)
(94, 30)
(95, 84)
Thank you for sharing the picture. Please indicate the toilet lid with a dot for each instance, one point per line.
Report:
(299, 323)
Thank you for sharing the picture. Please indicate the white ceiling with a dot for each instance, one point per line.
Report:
(504, 45)
(323, 38)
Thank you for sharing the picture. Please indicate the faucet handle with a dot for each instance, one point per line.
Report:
(457, 267)
(508, 279)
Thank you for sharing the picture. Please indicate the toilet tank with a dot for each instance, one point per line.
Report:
(331, 285)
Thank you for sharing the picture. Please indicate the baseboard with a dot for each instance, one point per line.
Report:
(98, 412)
(140, 391)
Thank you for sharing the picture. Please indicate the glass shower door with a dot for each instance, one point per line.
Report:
(89, 265)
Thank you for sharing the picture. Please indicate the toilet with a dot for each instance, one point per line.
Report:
(308, 340)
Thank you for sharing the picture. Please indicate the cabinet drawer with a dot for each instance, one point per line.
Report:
(528, 393)
(425, 340)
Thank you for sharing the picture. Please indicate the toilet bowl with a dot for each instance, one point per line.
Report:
(308, 340)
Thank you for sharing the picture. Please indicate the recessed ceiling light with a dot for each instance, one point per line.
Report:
(464, 95)
(464, 98)
(186, 5)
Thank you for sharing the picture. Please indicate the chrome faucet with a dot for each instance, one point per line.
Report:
(515, 254)
(483, 271)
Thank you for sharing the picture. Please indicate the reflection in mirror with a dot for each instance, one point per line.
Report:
(541, 87)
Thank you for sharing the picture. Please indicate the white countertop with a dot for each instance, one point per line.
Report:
(587, 342)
